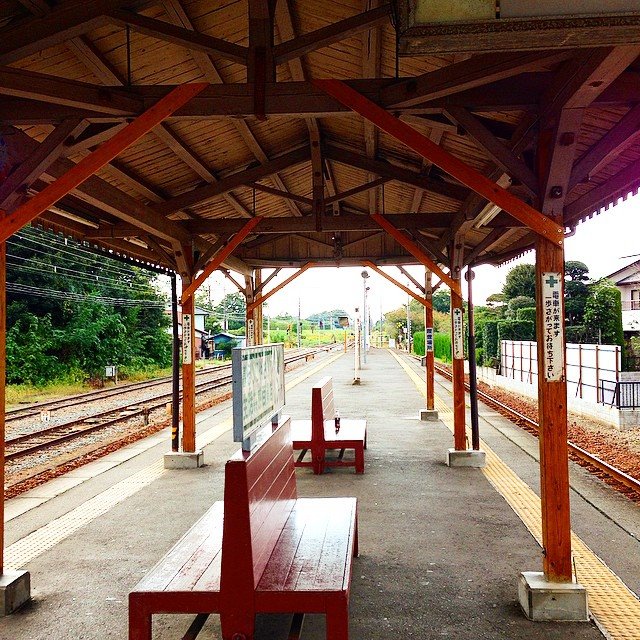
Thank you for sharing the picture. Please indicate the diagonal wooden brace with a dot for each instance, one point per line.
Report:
(392, 280)
(468, 176)
(99, 158)
(266, 296)
(220, 257)
(415, 251)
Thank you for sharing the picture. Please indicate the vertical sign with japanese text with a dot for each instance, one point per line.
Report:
(186, 338)
(553, 337)
(250, 333)
(458, 334)
(429, 339)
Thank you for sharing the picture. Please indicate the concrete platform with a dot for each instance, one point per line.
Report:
(441, 550)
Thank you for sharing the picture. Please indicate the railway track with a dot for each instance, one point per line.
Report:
(32, 410)
(30, 443)
(532, 426)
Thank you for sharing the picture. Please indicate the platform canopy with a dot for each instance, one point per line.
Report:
(264, 139)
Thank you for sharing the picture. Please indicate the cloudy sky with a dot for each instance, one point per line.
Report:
(601, 243)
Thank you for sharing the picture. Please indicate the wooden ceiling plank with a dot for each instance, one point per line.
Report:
(326, 36)
(202, 194)
(67, 20)
(180, 36)
(500, 153)
(609, 147)
(35, 164)
(468, 74)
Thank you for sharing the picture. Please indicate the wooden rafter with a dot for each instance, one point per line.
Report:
(220, 257)
(266, 296)
(392, 280)
(452, 165)
(89, 165)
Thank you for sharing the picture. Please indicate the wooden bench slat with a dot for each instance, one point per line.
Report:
(202, 534)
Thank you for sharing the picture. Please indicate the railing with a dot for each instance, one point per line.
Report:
(631, 305)
(622, 395)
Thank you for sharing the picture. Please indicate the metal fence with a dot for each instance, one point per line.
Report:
(622, 395)
(587, 367)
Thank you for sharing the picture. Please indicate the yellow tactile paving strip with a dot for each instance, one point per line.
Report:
(614, 606)
(23, 551)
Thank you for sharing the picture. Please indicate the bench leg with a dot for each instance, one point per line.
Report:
(359, 451)
(139, 619)
(337, 619)
(238, 627)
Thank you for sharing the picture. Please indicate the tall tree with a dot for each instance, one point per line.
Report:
(520, 281)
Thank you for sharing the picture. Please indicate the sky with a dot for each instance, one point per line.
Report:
(602, 243)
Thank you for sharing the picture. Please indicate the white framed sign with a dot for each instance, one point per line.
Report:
(187, 345)
(428, 340)
(552, 335)
(250, 333)
(258, 388)
(458, 334)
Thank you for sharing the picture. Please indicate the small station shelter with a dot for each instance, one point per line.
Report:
(256, 135)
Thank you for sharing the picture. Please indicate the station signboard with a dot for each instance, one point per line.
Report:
(458, 334)
(429, 339)
(258, 388)
(187, 349)
(553, 309)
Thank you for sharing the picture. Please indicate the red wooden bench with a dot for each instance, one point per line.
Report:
(263, 550)
(319, 434)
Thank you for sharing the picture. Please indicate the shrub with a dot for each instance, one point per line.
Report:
(418, 343)
(480, 357)
(516, 330)
(490, 339)
(442, 346)
(527, 313)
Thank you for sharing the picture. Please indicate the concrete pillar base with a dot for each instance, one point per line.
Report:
(430, 415)
(184, 459)
(15, 590)
(466, 458)
(545, 601)
(356, 381)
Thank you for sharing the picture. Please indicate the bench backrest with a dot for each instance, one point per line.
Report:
(322, 407)
(259, 493)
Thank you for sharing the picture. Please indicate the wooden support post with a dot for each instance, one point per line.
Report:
(3, 369)
(457, 349)
(429, 354)
(473, 380)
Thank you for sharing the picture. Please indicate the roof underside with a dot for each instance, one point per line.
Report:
(76, 73)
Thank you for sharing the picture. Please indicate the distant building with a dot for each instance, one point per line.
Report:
(219, 343)
(199, 317)
(627, 280)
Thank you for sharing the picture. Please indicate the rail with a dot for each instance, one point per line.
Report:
(602, 466)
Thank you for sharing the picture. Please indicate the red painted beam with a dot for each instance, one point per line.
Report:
(106, 152)
(415, 251)
(220, 257)
(471, 178)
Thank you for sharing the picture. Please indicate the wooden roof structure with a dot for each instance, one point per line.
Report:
(262, 139)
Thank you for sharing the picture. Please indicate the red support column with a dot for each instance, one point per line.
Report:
(457, 349)
(429, 356)
(3, 367)
(188, 374)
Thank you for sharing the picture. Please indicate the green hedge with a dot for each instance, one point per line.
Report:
(516, 330)
(442, 346)
(418, 343)
(490, 339)
(527, 313)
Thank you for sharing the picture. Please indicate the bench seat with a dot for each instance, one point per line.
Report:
(262, 550)
(319, 433)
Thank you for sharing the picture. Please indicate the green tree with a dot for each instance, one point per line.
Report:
(603, 314)
(519, 302)
(520, 281)
(441, 301)
(232, 308)
(576, 291)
